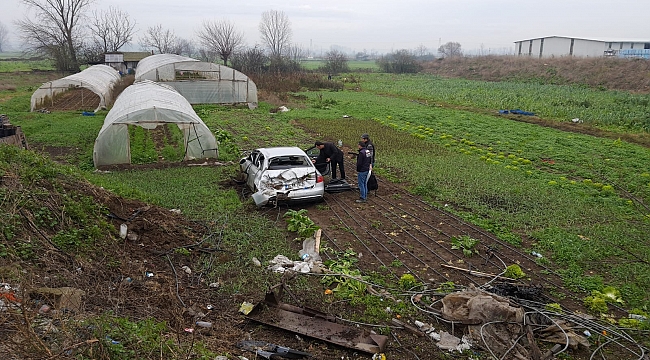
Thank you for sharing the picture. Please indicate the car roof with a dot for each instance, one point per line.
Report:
(281, 151)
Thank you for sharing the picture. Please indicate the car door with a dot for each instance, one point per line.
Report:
(323, 167)
(255, 163)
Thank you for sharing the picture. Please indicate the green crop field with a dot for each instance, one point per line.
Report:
(613, 109)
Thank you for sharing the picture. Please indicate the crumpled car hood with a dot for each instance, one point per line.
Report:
(274, 182)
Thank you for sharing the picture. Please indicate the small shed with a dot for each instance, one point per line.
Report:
(99, 79)
(125, 62)
(148, 104)
(198, 81)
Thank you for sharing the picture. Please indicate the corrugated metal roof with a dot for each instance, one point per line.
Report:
(579, 38)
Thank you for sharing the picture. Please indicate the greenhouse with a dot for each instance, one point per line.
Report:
(199, 82)
(148, 104)
(87, 90)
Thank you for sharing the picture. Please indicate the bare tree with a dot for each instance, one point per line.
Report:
(164, 41)
(112, 29)
(250, 61)
(220, 37)
(4, 35)
(450, 49)
(275, 30)
(421, 51)
(336, 62)
(184, 47)
(207, 55)
(400, 62)
(56, 30)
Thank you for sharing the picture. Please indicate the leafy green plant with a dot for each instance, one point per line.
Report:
(446, 287)
(555, 307)
(596, 304)
(408, 282)
(465, 243)
(300, 223)
(514, 272)
(346, 285)
(598, 300)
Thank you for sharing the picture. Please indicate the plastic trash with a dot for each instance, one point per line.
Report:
(587, 333)
(340, 143)
(309, 251)
(536, 254)
(204, 324)
(246, 308)
(123, 231)
(256, 262)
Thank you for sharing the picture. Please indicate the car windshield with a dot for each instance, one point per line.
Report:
(288, 162)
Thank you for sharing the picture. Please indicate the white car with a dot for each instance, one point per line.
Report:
(282, 174)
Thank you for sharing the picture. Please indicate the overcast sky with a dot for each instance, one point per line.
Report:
(384, 26)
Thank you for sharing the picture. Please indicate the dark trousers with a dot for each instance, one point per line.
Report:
(334, 163)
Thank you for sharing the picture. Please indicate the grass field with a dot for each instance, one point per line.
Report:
(609, 109)
(581, 200)
(354, 65)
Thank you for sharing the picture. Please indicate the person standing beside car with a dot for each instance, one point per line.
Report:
(331, 154)
(370, 146)
(363, 169)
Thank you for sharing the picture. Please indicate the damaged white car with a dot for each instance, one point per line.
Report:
(281, 174)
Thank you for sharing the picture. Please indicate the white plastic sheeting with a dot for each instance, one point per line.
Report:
(149, 104)
(99, 79)
(199, 82)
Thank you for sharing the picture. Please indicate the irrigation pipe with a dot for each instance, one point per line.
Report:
(176, 278)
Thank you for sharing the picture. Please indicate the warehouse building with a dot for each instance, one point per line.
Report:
(552, 46)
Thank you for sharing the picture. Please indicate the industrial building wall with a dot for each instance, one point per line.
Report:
(589, 48)
(556, 46)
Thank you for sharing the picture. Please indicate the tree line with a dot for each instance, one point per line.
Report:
(71, 33)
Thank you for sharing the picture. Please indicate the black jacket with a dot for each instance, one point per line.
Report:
(373, 152)
(363, 160)
(330, 151)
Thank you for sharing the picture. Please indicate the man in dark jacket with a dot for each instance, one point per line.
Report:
(331, 154)
(363, 169)
(370, 146)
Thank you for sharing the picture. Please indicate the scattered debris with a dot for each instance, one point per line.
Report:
(559, 332)
(315, 324)
(281, 263)
(176, 211)
(11, 134)
(246, 308)
(337, 185)
(123, 230)
(576, 121)
(256, 262)
(64, 298)
(271, 351)
(187, 270)
(517, 112)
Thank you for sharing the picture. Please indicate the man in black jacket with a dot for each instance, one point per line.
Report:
(363, 170)
(331, 154)
(370, 147)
